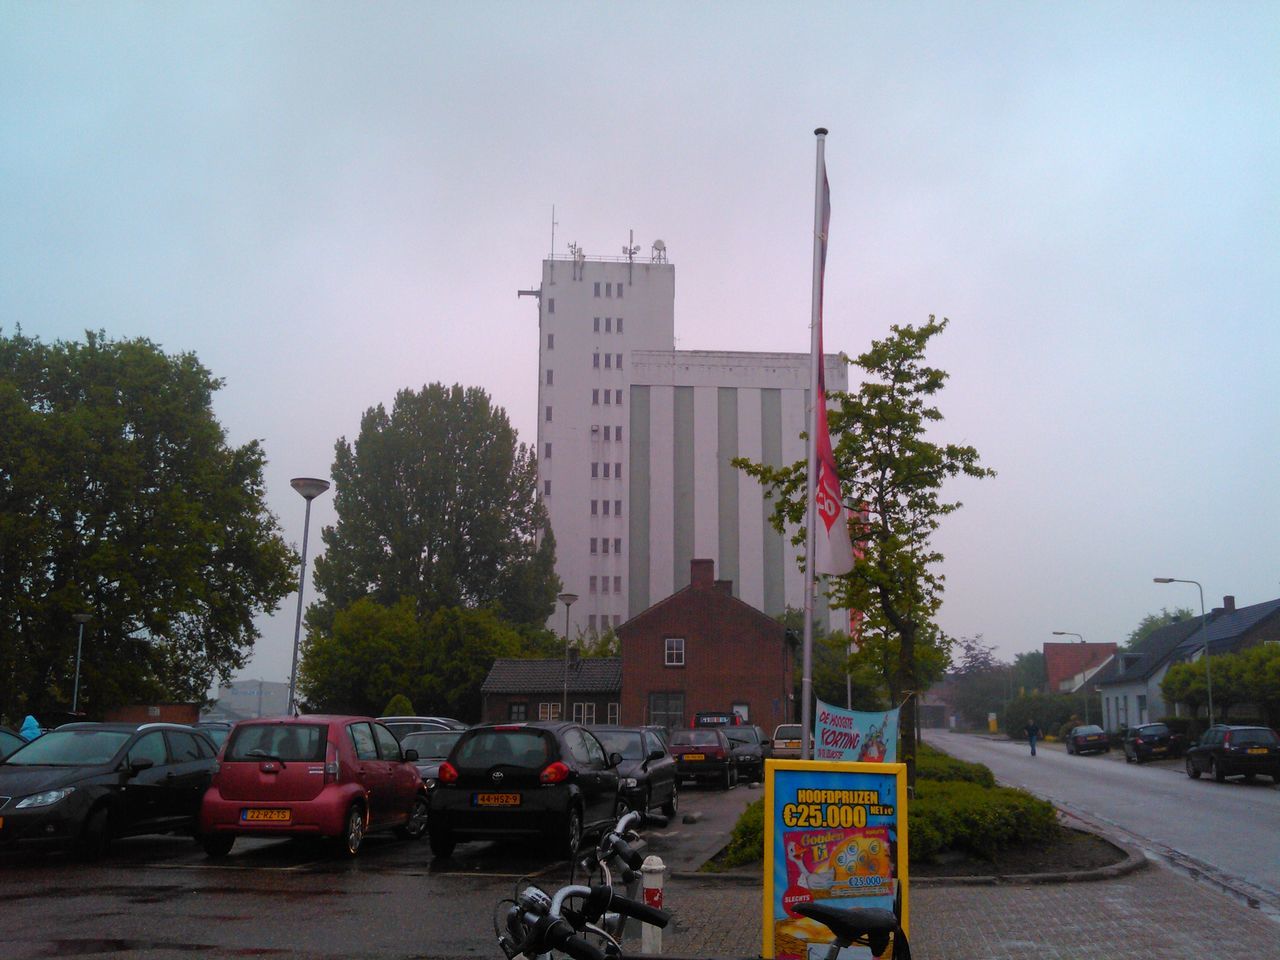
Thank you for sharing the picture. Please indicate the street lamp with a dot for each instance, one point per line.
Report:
(568, 599)
(1068, 633)
(1208, 677)
(310, 488)
(82, 619)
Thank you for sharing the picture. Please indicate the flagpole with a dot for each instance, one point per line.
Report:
(815, 350)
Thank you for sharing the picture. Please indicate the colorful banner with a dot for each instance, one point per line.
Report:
(840, 734)
(834, 832)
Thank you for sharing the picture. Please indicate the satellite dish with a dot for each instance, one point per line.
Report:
(659, 245)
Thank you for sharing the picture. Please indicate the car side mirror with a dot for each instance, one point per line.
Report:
(614, 759)
(140, 764)
(655, 755)
(765, 742)
(410, 755)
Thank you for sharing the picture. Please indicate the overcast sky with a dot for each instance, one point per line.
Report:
(328, 202)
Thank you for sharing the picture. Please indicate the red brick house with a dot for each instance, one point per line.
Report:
(536, 689)
(703, 649)
(1069, 665)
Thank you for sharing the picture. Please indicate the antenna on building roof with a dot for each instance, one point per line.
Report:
(659, 254)
(551, 257)
(630, 251)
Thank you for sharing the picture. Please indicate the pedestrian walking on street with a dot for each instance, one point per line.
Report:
(1033, 732)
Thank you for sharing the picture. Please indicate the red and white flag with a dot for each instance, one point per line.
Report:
(833, 551)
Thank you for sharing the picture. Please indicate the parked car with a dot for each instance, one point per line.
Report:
(547, 780)
(786, 741)
(400, 726)
(750, 750)
(1089, 738)
(10, 741)
(312, 776)
(1228, 751)
(647, 773)
(1148, 741)
(89, 783)
(704, 753)
(215, 730)
(432, 746)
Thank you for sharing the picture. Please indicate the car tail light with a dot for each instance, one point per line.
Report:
(332, 765)
(556, 772)
(448, 773)
(1226, 739)
(1137, 740)
(717, 753)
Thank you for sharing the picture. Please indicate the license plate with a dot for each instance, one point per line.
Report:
(496, 800)
(1158, 749)
(695, 756)
(1257, 749)
(266, 816)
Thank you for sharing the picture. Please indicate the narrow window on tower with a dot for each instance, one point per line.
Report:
(617, 621)
(551, 341)
(608, 289)
(593, 507)
(595, 398)
(597, 288)
(591, 623)
(619, 297)
(606, 507)
(619, 324)
(546, 488)
(617, 508)
(617, 584)
(617, 470)
(604, 584)
(617, 360)
(547, 453)
(551, 305)
(617, 434)
(604, 545)
(593, 584)
(597, 325)
(595, 359)
(608, 324)
(595, 470)
(608, 361)
(548, 414)
(617, 544)
(593, 545)
(608, 396)
(550, 378)
(618, 394)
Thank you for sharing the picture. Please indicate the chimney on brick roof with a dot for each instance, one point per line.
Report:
(725, 587)
(702, 573)
(1229, 604)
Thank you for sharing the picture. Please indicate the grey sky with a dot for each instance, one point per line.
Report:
(329, 202)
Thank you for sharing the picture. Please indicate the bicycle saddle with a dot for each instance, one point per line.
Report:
(853, 923)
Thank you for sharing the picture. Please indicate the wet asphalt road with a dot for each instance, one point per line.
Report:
(160, 897)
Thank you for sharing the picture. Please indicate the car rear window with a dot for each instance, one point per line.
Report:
(1153, 730)
(699, 738)
(278, 741)
(1259, 736)
(436, 744)
(69, 748)
(789, 731)
(1092, 728)
(513, 748)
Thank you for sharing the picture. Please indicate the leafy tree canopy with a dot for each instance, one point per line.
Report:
(437, 501)
(437, 661)
(893, 472)
(120, 499)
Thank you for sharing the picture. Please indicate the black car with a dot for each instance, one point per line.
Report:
(647, 773)
(1148, 741)
(750, 750)
(1228, 751)
(549, 780)
(402, 726)
(88, 783)
(9, 741)
(704, 753)
(433, 747)
(1089, 738)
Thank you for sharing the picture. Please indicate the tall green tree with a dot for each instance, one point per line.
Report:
(893, 472)
(437, 501)
(120, 498)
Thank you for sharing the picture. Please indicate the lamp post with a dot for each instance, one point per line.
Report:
(310, 488)
(82, 619)
(568, 600)
(1208, 677)
(1068, 633)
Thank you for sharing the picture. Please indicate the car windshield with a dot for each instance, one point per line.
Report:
(1153, 730)
(1260, 736)
(1092, 728)
(70, 748)
(278, 741)
(433, 745)
(217, 734)
(513, 748)
(790, 731)
(742, 734)
(697, 738)
(626, 742)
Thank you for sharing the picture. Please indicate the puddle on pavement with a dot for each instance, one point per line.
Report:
(81, 947)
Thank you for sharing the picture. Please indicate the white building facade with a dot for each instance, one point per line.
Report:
(636, 442)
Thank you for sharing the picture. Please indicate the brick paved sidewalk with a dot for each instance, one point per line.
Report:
(1151, 914)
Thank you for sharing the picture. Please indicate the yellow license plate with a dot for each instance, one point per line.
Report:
(695, 756)
(1257, 749)
(497, 800)
(266, 816)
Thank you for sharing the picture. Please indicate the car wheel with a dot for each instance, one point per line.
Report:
(416, 826)
(572, 838)
(1215, 769)
(353, 835)
(442, 843)
(1192, 772)
(620, 809)
(672, 806)
(728, 778)
(95, 835)
(1069, 750)
(217, 844)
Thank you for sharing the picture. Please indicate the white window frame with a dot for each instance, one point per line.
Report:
(673, 652)
(549, 710)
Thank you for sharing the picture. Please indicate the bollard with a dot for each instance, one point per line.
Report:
(651, 936)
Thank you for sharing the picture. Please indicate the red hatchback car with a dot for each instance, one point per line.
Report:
(312, 776)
